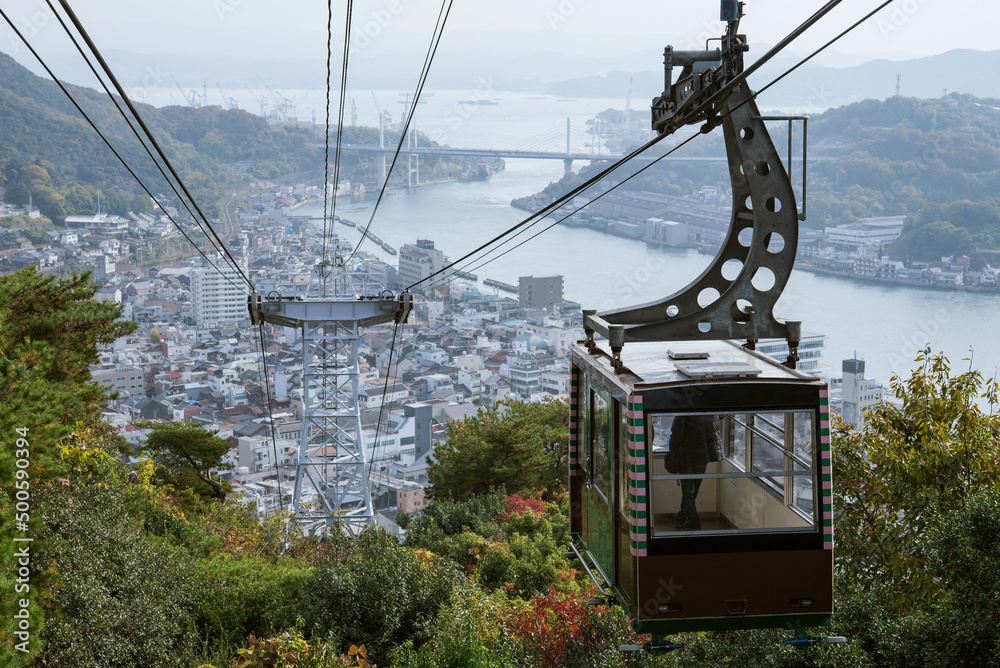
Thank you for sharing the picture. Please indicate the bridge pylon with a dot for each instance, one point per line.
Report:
(412, 170)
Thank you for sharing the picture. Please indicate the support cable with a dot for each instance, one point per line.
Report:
(771, 53)
(544, 212)
(326, 134)
(270, 410)
(428, 59)
(443, 280)
(385, 390)
(125, 164)
(131, 126)
(166, 161)
(340, 117)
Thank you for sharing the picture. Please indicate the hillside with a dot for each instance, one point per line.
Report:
(49, 151)
(42, 128)
(132, 561)
(936, 161)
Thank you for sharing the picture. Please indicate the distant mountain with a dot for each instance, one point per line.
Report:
(962, 71)
(460, 65)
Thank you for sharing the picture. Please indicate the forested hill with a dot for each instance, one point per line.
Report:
(936, 161)
(42, 128)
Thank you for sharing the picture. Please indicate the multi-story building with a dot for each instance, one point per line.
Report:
(417, 262)
(257, 453)
(104, 223)
(525, 371)
(811, 349)
(540, 291)
(217, 298)
(858, 393)
(131, 379)
(866, 232)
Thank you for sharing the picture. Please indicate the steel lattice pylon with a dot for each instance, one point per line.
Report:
(331, 481)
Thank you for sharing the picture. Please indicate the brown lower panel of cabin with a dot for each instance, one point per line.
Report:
(735, 586)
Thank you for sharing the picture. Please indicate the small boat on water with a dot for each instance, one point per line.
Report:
(344, 221)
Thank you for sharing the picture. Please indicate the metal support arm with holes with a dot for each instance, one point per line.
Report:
(734, 297)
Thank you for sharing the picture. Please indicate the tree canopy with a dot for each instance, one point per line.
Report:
(188, 454)
(913, 464)
(513, 444)
(49, 331)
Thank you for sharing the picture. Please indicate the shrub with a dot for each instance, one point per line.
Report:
(243, 597)
(379, 593)
(115, 598)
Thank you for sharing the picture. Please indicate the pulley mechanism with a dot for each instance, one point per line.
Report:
(735, 296)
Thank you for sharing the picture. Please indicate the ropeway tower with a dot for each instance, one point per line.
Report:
(331, 471)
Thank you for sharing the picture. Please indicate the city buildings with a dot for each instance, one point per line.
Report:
(858, 393)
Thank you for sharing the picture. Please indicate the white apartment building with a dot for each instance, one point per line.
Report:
(218, 299)
(131, 379)
(866, 232)
(858, 393)
(417, 262)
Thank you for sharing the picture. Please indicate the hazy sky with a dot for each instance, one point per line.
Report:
(906, 29)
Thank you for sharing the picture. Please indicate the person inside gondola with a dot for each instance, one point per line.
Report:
(695, 440)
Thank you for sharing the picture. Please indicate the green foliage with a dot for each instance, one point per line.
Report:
(964, 556)
(490, 630)
(240, 597)
(379, 594)
(950, 229)
(469, 634)
(447, 517)
(765, 648)
(513, 444)
(188, 455)
(533, 559)
(61, 313)
(114, 597)
(51, 152)
(49, 328)
(291, 649)
(913, 464)
(501, 543)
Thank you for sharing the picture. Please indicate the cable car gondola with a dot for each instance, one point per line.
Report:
(700, 479)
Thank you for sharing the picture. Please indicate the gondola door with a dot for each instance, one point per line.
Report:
(600, 489)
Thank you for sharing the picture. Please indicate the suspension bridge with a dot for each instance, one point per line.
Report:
(559, 143)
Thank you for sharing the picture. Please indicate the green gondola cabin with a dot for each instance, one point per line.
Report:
(761, 552)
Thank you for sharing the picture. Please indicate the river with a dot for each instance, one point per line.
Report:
(886, 325)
